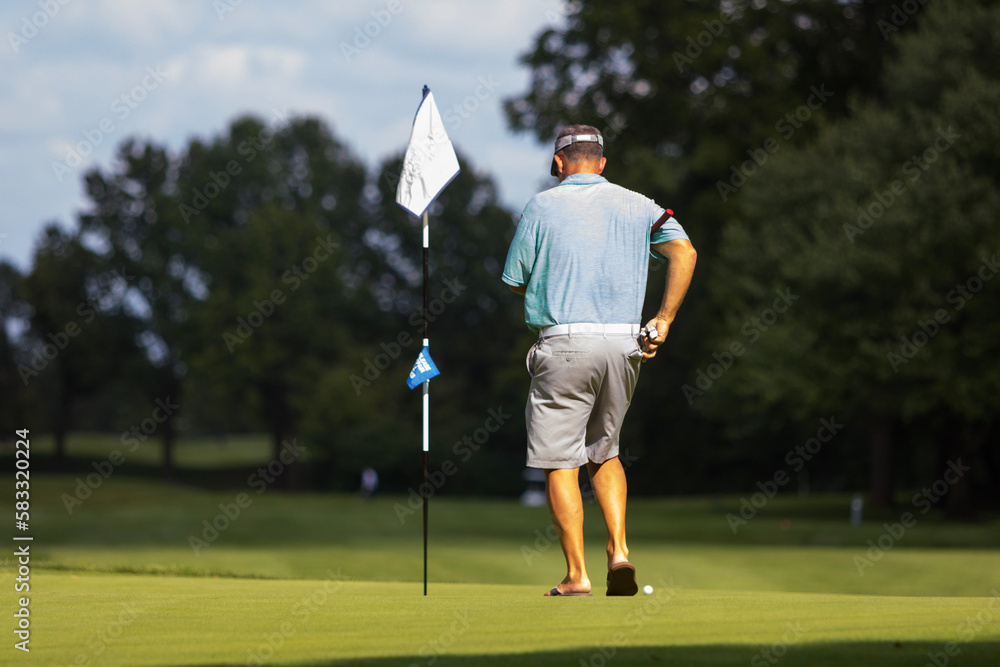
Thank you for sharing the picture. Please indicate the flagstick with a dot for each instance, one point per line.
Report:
(427, 402)
(429, 165)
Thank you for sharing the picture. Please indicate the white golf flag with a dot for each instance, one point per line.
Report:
(430, 162)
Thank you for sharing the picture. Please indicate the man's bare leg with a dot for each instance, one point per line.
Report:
(562, 489)
(610, 490)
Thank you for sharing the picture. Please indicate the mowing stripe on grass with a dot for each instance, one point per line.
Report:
(156, 620)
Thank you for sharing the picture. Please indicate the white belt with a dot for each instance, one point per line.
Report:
(589, 328)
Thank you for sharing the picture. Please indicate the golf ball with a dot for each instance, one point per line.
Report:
(647, 589)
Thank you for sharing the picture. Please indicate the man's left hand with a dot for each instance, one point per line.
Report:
(649, 343)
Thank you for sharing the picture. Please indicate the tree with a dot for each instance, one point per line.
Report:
(134, 219)
(886, 233)
(476, 330)
(683, 96)
(202, 229)
(278, 309)
(79, 337)
(12, 310)
(697, 100)
(276, 320)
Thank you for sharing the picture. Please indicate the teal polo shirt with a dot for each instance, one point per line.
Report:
(582, 248)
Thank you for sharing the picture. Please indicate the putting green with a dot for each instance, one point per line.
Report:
(154, 620)
(111, 586)
(915, 572)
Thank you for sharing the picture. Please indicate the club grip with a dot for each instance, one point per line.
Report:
(661, 221)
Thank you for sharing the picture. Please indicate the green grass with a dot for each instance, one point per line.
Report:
(189, 452)
(154, 620)
(355, 566)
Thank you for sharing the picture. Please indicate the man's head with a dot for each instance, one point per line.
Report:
(578, 149)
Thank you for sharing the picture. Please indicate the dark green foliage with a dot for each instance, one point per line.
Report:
(706, 115)
(834, 162)
(887, 230)
(79, 336)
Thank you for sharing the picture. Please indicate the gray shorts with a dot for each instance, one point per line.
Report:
(581, 387)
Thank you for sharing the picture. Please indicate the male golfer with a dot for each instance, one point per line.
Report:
(580, 258)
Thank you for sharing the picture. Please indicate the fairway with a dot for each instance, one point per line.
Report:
(300, 579)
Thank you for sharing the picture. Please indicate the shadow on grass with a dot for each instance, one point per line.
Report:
(820, 654)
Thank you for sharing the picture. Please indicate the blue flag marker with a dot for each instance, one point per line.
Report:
(423, 370)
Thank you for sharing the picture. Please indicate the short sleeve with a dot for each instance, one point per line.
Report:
(521, 255)
(670, 231)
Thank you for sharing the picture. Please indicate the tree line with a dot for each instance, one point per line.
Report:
(833, 163)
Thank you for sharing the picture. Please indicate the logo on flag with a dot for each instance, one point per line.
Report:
(423, 370)
(430, 162)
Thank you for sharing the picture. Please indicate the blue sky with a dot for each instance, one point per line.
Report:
(94, 72)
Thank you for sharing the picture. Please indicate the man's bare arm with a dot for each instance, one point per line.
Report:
(518, 289)
(681, 257)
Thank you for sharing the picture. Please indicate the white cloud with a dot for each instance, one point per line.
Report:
(237, 68)
(489, 28)
(148, 23)
(222, 69)
(259, 57)
(29, 103)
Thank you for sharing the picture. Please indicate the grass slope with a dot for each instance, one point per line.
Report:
(146, 526)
